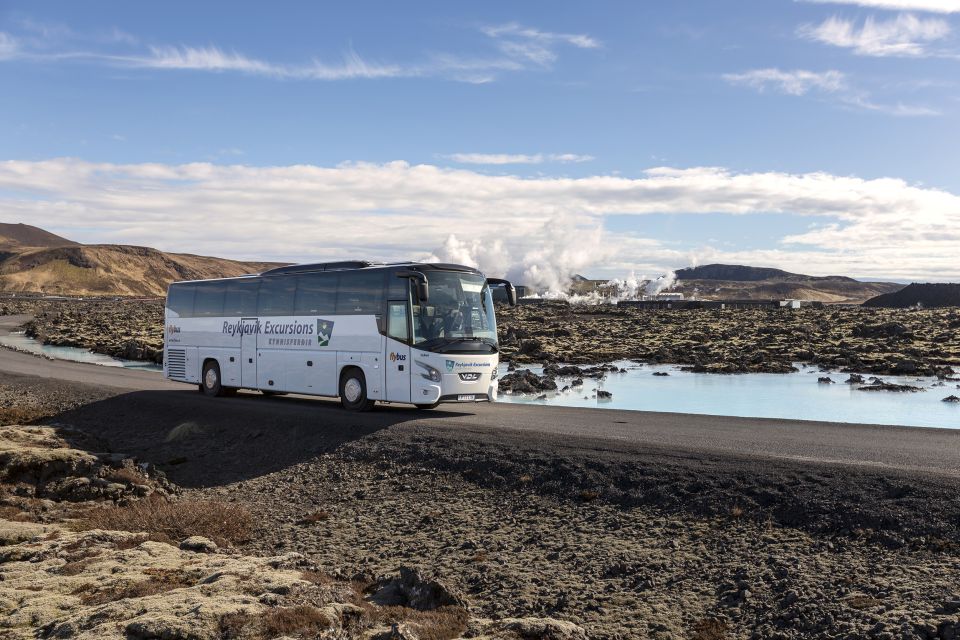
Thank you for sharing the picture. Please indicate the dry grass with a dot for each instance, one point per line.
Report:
(736, 512)
(710, 629)
(863, 602)
(74, 567)
(167, 521)
(480, 556)
(316, 577)
(317, 516)
(15, 514)
(160, 581)
(125, 476)
(22, 415)
(443, 623)
(302, 620)
(232, 625)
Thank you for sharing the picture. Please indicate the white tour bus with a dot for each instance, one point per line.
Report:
(414, 333)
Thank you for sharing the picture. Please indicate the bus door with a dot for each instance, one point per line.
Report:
(397, 358)
(248, 356)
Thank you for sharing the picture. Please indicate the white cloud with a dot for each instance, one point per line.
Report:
(511, 48)
(881, 227)
(899, 109)
(516, 158)
(215, 59)
(796, 83)
(934, 6)
(8, 46)
(800, 82)
(515, 30)
(531, 45)
(904, 36)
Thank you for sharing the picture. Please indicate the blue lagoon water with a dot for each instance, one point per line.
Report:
(796, 396)
(18, 340)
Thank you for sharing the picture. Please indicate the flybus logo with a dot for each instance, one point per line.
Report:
(397, 357)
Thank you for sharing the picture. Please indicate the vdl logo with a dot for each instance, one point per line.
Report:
(397, 357)
(450, 365)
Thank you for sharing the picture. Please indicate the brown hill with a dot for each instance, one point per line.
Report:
(14, 237)
(723, 281)
(929, 295)
(35, 261)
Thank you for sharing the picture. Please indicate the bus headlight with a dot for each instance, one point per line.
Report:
(431, 374)
(493, 374)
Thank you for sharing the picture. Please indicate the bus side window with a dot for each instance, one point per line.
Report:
(209, 299)
(397, 321)
(180, 300)
(276, 296)
(241, 300)
(316, 294)
(360, 292)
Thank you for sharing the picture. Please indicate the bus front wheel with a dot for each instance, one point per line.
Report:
(211, 382)
(353, 391)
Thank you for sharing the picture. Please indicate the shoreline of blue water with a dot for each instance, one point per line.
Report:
(792, 396)
(19, 341)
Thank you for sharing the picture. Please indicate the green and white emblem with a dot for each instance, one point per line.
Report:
(324, 332)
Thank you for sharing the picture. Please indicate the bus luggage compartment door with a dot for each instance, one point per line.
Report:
(248, 358)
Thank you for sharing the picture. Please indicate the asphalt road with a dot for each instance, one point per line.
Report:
(931, 451)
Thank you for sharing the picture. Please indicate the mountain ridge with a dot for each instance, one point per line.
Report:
(744, 273)
(734, 281)
(56, 265)
(927, 295)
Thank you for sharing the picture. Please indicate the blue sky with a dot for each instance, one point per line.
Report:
(815, 136)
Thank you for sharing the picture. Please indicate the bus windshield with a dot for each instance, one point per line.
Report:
(460, 309)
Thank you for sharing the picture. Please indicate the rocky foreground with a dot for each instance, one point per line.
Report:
(96, 545)
(855, 339)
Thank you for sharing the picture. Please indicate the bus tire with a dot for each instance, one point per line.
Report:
(424, 407)
(353, 390)
(211, 379)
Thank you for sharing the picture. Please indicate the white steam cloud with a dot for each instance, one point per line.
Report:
(661, 284)
(545, 260)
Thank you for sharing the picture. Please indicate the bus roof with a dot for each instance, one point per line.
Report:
(347, 265)
(362, 264)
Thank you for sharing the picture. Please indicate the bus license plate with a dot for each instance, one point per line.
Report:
(466, 398)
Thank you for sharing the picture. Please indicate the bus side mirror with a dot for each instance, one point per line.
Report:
(423, 287)
(508, 288)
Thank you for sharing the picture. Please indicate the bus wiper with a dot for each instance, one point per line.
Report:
(452, 341)
(426, 345)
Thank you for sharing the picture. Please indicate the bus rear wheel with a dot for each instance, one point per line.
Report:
(353, 391)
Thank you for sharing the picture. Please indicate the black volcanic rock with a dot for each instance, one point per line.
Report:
(919, 294)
